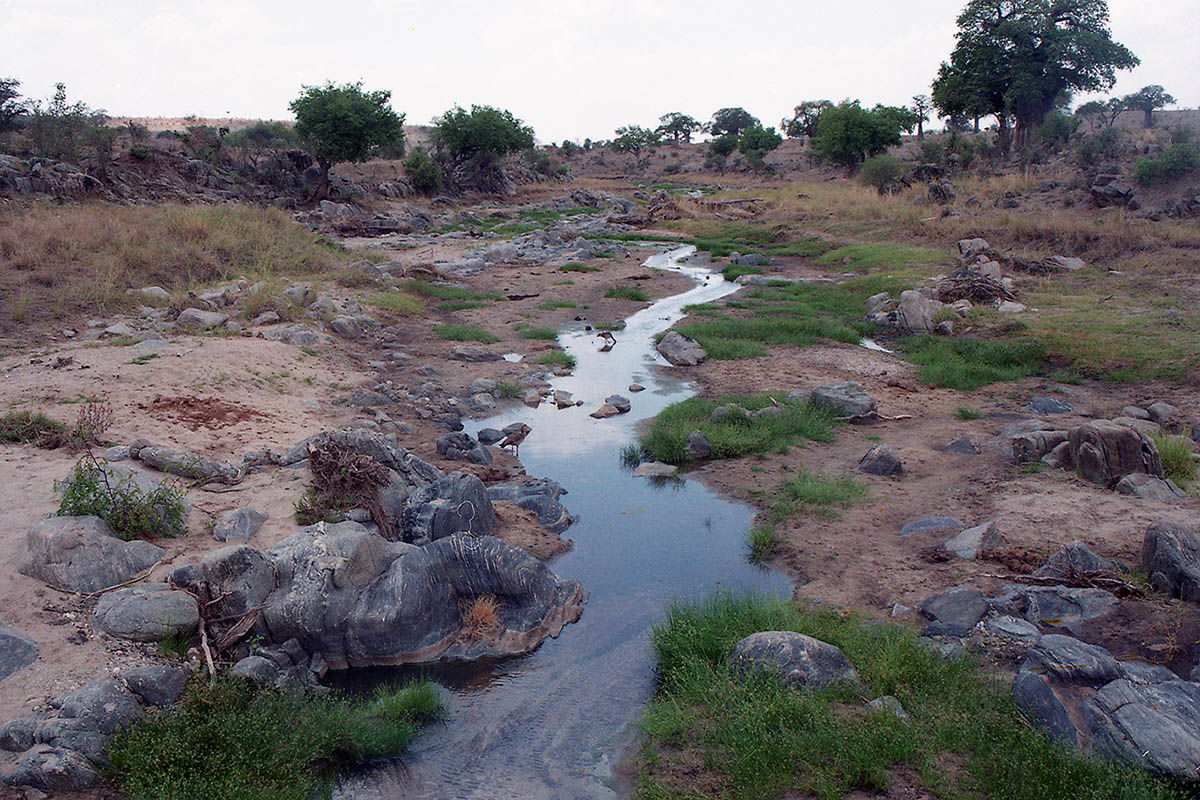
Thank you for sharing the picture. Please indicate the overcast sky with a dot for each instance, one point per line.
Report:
(572, 69)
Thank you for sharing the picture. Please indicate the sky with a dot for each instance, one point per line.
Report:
(569, 68)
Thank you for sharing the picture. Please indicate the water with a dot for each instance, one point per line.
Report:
(551, 725)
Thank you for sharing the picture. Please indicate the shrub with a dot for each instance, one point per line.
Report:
(1057, 127)
(232, 739)
(1098, 148)
(130, 511)
(1178, 159)
(32, 427)
(508, 391)
(882, 171)
(575, 266)
(422, 171)
(1176, 455)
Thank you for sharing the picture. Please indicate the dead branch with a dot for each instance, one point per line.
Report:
(873, 416)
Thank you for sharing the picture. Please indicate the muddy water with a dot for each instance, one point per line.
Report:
(552, 724)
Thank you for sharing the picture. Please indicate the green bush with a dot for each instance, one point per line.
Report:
(882, 171)
(232, 739)
(1057, 127)
(422, 171)
(1179, 159)
(1099, 148)
(131, 512)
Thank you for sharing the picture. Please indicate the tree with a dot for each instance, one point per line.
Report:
(731, 120)
(921, 106)
(679, 127)
(1148, 99)
(11, 108)
(422, 171)
(848, 133)
(344, 123)
(756, 142)
(57, 128)
(1013, 58)
(636, 140)
(805, 119)
(1092, 111)
(476, 141)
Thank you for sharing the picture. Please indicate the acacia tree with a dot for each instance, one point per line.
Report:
(732, 121)
(1148, 99)
(679, 127)
(344, 123)
(921, 106)
(848, 133)
(1092, 111)
(11, 108)
(636, 140)
(756, 141)
(805, 119)
(475, 141)
(1013, 58)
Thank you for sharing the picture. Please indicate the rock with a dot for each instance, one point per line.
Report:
(474, 355)
(1033, 693)
(80, 554)
(1104, 452)
(1049, 405)
(1139, 484)
(1014, 627)
(195, 319)
(1029, 447)
(799, 397)
(915, 313)
(969, 248)
(621, 404)
(1074, 559)
(1060, 457)
(157, 684)
(457, 503)
(54, 770)
(605, 411)
(104, 704)
(265, 318)
(655, 469)
(881, 460)
(954, 613)
(1011, 307)
(117, 330)
(1066, 608)
(346, 327)
(16, 651)
(847, 399)
(973, 541)
(636, 387)
(238, 525)
(1157, 725)
(489, 436)
(239, 578)
(184, 463)
(1161, 412)
(532, 398)
(963, 446)
(800, 661)
(257, 669)
(1065, 659)
(698, 447)
(155, 294)
(148, 612)
(749, 260)
(681, 351)
(944, 328)
(1135, 412)
(1066, 263)
(563, 399)
(888, 705)
(300, 295)
(461, 447)
(481, 386)
(1171, 559)
(1026, 426)
(931, 524)
(539, 495)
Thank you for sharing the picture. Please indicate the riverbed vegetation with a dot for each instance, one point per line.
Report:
(233, 739)
(710, 735)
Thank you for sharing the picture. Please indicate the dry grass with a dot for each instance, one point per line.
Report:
(480, 616)
(61, 261)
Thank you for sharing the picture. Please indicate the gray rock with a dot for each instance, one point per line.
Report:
(931, 524)
(16, 651)
(1161, 412)
(117, 330)
(973, 541)
(532, 398)
(257, 669)
(915, 313)
(473, 355)
(103, 704)
(481, 386)
(1144, 425)
(346, 327)
(367, 398)
(539, 495)
(296, 335)
(1029, 447)
(1157, 725)
(681, 351)
(147, 612)
(563, 399)
(1066, 263)
(115, 453)
(489, 436)
(1074, 559)
(1171, 559)
(969, 248)
(655, 469)
(881, 460)
(1062, 607)
(1060, 457)
(963, 446)
(1105, 452)
(800, 661)
(621, 404)
(155, 293)
(157, 684)
(461, 447)
(847, 399)
(239, 578)
(1049, 405)
(300, 295)
(889, 705)
(1026, 426)
(1139, 484)
(698, 447)
(800, 397)
(749, 260)
(265, 318)
(1015, 628)
(1135, 413)
(457, 503)
(238, 525)
(1065, 659)
(1032, 692)
(605, 411)
(954, 613)
(184, 463)
(54, 770)
(195, 319)
(80, 554)
(1144, 672)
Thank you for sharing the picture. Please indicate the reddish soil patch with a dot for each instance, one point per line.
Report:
(195, 413)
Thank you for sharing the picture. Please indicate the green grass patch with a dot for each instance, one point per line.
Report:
(462, 305)
(818, 494)
(536, 332)
(129, 510)
(964, 413)
(232, 739)
(737, 433)
(1176, 455)
(627, 293)
(761, 540)
(464, 333)
(734, 271)
(506, 390)
(401, 304)
(440, 292)
(559, 358)
(872, 256)
(551, 305)
(755, 738)
(32, 427)
(575, 266)
(968, 364)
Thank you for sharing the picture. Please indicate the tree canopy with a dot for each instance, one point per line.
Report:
(732, 121)
(1148, 99)
(1014, 58)
(11, 107)
(678, 127)
(485, 132)
(636, 140)
(344, 123)
(848, 133)
(756, 142)
(805, 119)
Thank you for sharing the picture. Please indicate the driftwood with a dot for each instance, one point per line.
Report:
(973, 286)
(1094, 579)
(873, 416)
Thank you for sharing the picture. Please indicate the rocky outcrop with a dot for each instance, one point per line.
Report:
(680, 350)
(1104, 452)
(540, 496)
(1171, 559)
(457, 503)
(800, 661)
(148, 612)
(80, 554)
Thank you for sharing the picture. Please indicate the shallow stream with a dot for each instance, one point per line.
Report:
(552, 724)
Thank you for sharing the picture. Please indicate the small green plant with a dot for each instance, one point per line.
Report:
(401, 304)
(965, 413)
(322, 505)
(32, 427)
(627, 293)
(175, 645)
(575, 266)
(143, 359)
(551, 305)
(762, 539)
(817, 494)
(507, 390)
(609, 326)
(631, 455)
(464, 333)
(536, 332)
(129, 510)
(1175, 452)
(556, 357)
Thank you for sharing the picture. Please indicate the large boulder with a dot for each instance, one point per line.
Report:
(915, 312)
(1059, 607)
(848, 399)
(799, 660)
(149, 612)
(457, 503)
(1104, 452)
(954, 613)
(156, 684)
(239, 579)
(540, 496)
(80, 554)
(1027, 447)
(1171, 558)
(1156, 724)
(680, 350)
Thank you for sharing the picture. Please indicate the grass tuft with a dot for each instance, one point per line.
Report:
(627, 293)
(506, 390)
(32, 427)
(762, 539)
(536, 332)
(557, 358)
(965, 413)
(464, 333)
(1176, 455)
(401, 304)
(817, 494)
(968, 364)
(575, 266)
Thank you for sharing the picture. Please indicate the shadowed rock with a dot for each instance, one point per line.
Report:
(81, 554)
(16, 651)
(1104, 452)
(799, 660)
(1171, 558)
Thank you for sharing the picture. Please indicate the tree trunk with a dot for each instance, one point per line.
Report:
(977, 124)
(1149, 121)
(323, 187)
(920, 131)
(1003, 139)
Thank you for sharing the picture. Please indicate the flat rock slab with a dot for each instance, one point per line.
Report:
(147, 613)
(16, 651)
(954, 613)
(931, 524)
(799, 660)
(1157, 725)
(973, 541)
(1049, 405)
(82, 555)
